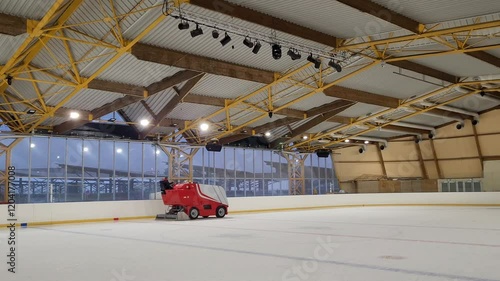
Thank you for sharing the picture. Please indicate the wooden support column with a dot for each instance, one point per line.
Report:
(479, 151)
(382, 163)
(425, 174)
(436, 161)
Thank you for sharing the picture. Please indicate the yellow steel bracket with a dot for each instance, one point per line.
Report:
(277, 76)
(31, 26)
(421, 28)
(125, 43)
(50, 111)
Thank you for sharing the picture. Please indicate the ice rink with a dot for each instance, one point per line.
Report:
(346, 244)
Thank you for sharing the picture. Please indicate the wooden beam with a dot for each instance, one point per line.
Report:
(341, 119)
(128, 120)
(233, 138)
(381, 161)
(425, 174)
(447, 114)
(148, 108)
(361, 96)
(177, 78)
(109, 86)
(436, 160)
(169, 122)
(385, 14)
(425, 70)
(336, 107)
(171, 81)
(173, 102)
(406, 130)
(220, 102)
(12, 25)
(266, 20)
(347, 120)
(478, 146)
(278, 123)
(486, 57)
(200, 64)
(204, 100)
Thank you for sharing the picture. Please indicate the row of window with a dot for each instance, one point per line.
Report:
(68, 169)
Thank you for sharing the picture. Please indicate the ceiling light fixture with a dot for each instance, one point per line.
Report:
(183, 25)
(9, 79)
(204, 127)
(276, 51)
(215, 34)
(144, 122)
(247, 42)
(197, 31)
(335, 65)
(256, 47)
(267, 134)
(294, 54)
(31, 111)
(225, 40)
(316, 61)
(74, 115)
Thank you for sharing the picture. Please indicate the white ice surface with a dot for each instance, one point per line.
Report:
(352, 244)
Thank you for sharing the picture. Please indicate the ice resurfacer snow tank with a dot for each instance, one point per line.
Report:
(190, 200)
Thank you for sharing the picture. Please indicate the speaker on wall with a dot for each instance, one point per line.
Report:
(214, 147)
(323, 153)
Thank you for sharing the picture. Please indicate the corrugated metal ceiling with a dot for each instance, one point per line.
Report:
(431, 11)
(26, 8)
(224, 87)
(129, 70)
(168, 35)
(330, 17)
(461, 65)
(391, 81)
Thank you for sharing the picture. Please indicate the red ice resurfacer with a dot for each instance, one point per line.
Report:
(189, 200)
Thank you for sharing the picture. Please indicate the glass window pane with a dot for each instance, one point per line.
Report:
(444, 187)
(162, 164)
(38, 190)
(477, 186)
(91, 158)
(198, 165)
(74, 157)
(460, 186)
(121, 159)
(248, 160)
(453, 186)
(149, 163)
(74, 190)
(137, 189)
(20, 157)
(57, 157)
(90, 189)
(468, 186)
(136, 159)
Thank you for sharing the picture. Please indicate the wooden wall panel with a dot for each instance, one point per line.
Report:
(400, 151)
(490, 145)
(410, 169)
(468, 168)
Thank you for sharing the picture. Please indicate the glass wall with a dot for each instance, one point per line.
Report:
(56, 169)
